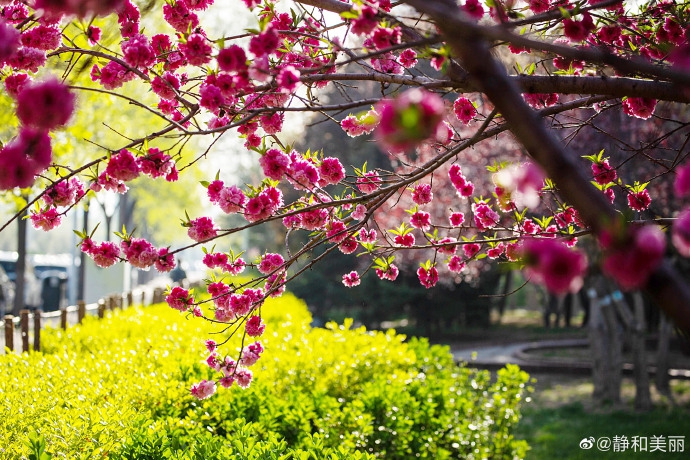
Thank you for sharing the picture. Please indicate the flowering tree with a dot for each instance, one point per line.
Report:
(451, 76)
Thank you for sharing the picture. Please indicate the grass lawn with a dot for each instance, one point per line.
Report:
(561, 416)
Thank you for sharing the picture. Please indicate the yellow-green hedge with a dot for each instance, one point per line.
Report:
(119, 388)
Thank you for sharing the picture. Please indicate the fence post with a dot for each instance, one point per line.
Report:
(24, 328)
(9, 332)
(130, 299)
(101, 308)
(81, 311)
(37, 330)
(112, 302)
(63, 318)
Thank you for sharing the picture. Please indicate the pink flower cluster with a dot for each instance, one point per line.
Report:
(269, 263)
(464, 187)
(351, 279)
(233, 266)
(428, 276)
(409, 119)
(104, 254)
(640, 107)
(180, 299)
(632, 254)
(201, 229)
(357, 125)
(551, 263)
(229, 199)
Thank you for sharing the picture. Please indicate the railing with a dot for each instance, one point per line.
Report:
(29, 323)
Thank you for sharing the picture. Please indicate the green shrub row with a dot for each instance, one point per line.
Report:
(119, 388)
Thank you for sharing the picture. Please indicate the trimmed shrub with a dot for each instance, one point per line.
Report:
(119, 388)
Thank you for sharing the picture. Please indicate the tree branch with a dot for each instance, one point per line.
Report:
(668, 288)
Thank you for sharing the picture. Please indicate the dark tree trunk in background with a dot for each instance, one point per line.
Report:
(20, 281)
(81, 277)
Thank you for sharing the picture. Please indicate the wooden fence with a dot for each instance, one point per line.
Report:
(29, 323)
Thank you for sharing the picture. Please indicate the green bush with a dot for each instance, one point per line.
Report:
(119, 388)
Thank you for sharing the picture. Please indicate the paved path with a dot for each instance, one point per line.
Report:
(497, 356)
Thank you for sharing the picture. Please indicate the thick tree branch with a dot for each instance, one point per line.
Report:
(669, 290)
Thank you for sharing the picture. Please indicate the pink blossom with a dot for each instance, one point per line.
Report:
(64, 193)
(201, 229)
(265, 43)
(42, 37)
(603, 172)
(496, 251)
(46, 220)
(27, 58)
(15, 82)
(196, 50)
(539, 6)
(681, 185)
(484, 217)
(551, 263)
(427, 277)
(138, 52)
(231, 199)
(351, 279)
(139, 252)
(112, 75)
(272, 123)
(179, 17)
(456, 219)
(204, 389)
(523, 182)
(337, 232)
(348, 246)
(406, 240)
(288, 79)
(179, 299)
(369, 182)
(93, 34)
(632, 257)
(156, 163)
(45, 105)
(274, 164)
(390, 274)
(409, 119)
(464, 110)
(331, 171)
(680, 236)
(243, 378)
(577, 31)
(366, 21)
(422, 194)
(241, 304)
(408, 58)
(470, 249)
(270, 262)
(198, 4)
(165, 261)
(166, 86)
(464, 187)
(251, 353)
(263, 205)
(421, 220)
(474, 9)
(104, 255)
(639, 201)
(123, 166)
(232, 59)
(640, 107)
(360, 212)
(456, 264)
(254, 326)
(9, 42)
(367, 236)
(540, 100)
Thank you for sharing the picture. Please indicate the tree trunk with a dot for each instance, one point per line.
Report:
(661, 380)
(605, 336)
(20, 281)
(643, 398)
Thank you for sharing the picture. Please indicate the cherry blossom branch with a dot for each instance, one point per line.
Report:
(665, 285)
